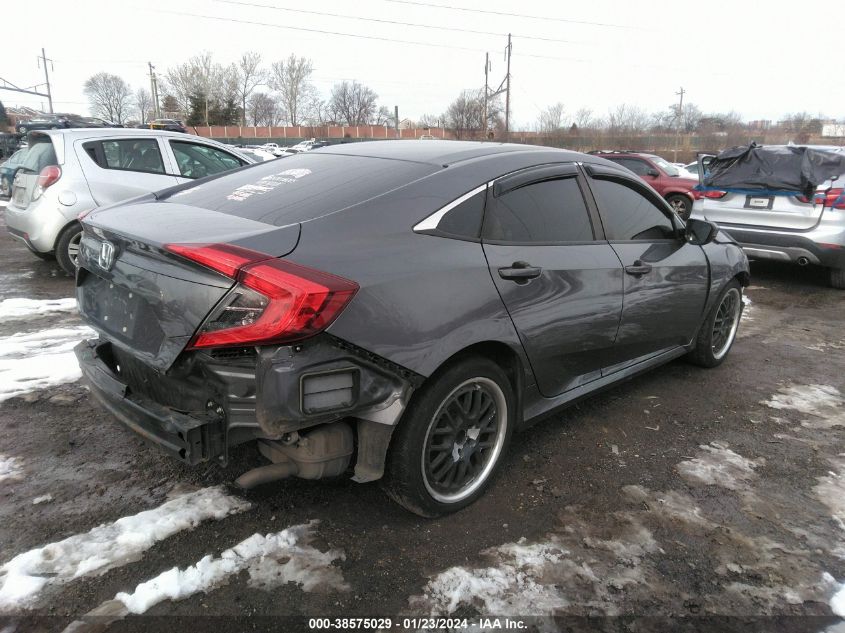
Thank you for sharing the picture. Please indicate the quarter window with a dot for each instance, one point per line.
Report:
(629, 215)
(465, 219)
(197, 161)
(548, 211)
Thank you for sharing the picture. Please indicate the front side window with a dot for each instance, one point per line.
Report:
(197, 161)
(548, 211)
(628, 214)
(142, 155)
(639, 167)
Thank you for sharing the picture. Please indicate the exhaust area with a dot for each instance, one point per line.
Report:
(325, 451)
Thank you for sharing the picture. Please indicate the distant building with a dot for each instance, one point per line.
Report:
(833, 129)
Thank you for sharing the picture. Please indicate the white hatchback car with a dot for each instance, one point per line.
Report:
(70, 172)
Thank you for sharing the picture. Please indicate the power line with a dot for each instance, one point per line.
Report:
(544, 18)
(396, 22)
(308, 30)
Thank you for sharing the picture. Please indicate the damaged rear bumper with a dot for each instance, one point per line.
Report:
(210, 401)
(187, 438)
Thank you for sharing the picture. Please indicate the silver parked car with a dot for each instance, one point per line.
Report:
(68, 173)
(800, 229)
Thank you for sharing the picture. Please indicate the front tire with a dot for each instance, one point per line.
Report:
(837, 278)
(67, 248)
(718, 331)
(681, 205)
(452, 439)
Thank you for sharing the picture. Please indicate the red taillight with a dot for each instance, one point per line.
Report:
(274, 300)
(715, 195)
(49, 176)
(831, 198)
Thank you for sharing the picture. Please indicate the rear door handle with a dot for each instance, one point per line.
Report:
(520, 271)
(638, 268)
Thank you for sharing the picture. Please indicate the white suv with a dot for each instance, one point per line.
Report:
(799, 229)
(70, 172)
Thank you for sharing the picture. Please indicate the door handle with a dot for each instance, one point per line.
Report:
(638, 268)
(520, 272)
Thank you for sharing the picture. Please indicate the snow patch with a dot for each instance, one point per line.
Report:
(10, 468)
(109, 545)
(717, 465)
(23, 308)
(271, 561)
(42, 499)
(747, 310)
(831, 491)
(39, 360)
(823, 402)
(513, 585)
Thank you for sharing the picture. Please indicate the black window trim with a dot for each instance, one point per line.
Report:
(101, 155)
(605, 172)
(179, 173)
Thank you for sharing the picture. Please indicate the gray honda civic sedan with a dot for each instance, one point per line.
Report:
(392, 310)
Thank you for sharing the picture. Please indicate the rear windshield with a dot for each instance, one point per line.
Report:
(300, 188)
(40, 155)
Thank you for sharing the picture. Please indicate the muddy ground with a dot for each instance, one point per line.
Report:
(684, 493)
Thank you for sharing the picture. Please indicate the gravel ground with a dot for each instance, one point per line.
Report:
(684, 494)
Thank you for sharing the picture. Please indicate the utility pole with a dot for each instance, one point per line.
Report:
(679, 122)
(396, 120)
(43, 59)
(508, 93)
(154, 90)
(486, 90)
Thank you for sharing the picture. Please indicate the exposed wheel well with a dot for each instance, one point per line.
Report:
(743, 277)
(501, 354)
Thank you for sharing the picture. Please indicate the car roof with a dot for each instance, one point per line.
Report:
(436, 152)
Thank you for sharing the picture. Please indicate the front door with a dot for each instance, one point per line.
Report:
(559, 280)
(666, 278)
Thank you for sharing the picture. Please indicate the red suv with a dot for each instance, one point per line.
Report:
(662, 175)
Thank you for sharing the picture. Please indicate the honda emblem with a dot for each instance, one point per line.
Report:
(106, 258)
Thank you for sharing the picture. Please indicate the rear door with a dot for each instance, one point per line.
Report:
(121, 168)
(666, 278)
(560, 281)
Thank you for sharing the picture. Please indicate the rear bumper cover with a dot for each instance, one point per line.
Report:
(187, 438)
(787, 246)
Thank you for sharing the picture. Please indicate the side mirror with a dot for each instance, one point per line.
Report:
(700, 232)
(653, 173)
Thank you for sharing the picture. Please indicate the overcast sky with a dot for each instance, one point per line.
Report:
(762, 60)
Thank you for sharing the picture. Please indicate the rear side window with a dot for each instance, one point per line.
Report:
(629, 215)
(548, 211)
(142, 155)
(464, 220)
(195, 160)
(301, 187)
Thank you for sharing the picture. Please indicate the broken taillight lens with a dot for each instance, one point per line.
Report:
(274, 301)
(830, 198)
(49, 176)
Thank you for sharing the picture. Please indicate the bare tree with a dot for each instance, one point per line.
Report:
(250, 76)
(263, 109)
(433, 120)
(551, 118)
(180, 83)
(466, 113)
(584, 118)
(384, 117)
(144, 104)
(292, 78)
(353, 103)
(627, 119)
(110, 96)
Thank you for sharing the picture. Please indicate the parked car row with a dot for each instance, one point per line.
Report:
(62, 121)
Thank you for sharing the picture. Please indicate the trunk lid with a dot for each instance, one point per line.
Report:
(42, 153)
(146, 300)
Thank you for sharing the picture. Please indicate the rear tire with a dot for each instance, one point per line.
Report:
(718, 331)
(452, 439)
(67, 248)
(837, 278)
(681, 205)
